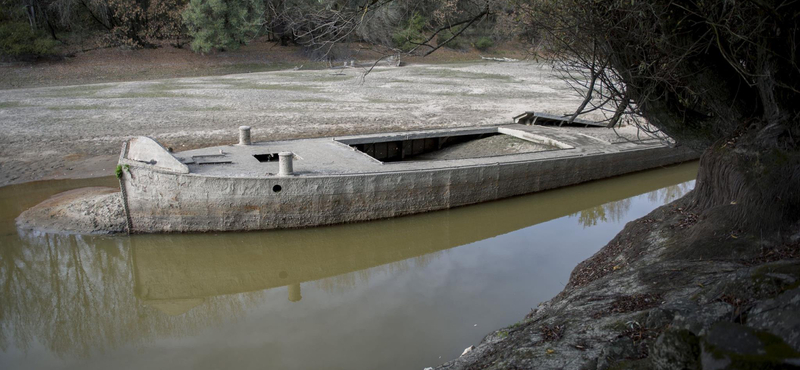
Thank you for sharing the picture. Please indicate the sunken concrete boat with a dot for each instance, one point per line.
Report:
(313, 182)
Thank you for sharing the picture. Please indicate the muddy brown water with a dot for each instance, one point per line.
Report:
(403, 293)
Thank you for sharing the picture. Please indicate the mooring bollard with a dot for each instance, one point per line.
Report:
(294, 293)
(285, 164)
(244, 135)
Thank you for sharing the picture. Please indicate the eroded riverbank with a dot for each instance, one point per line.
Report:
(643, 303)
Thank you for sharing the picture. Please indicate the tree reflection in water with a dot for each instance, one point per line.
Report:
(73, 295)
(669, 193)
(613, 210)
(616, 211)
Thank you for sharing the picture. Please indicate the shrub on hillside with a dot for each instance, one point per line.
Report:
(221, 24)
(456, 43)
(18, 40)
(483, 43)
(411, 35)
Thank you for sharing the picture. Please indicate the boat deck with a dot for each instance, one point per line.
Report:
(327, 156)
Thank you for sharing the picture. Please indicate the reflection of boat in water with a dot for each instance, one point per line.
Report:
(97, 293)
(177, 272)
(313, 182)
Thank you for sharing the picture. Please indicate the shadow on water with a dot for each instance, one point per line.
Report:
(77, 294)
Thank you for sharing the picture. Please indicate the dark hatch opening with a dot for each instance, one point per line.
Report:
(269, 157)
(404, 150)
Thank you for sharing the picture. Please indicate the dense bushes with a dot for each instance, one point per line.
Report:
(483, 43)
(411, 34)
(222, 24)
(19, 40)
(138, 23)
(31, 27)
(458, 43)
(464, 40)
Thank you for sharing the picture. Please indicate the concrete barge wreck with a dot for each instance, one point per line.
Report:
(313, 182)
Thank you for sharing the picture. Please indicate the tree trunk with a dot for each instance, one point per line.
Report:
(746, 198)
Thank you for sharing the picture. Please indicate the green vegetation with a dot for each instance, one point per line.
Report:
(120, 168)
(18, 39)
(457, 43)
(411, 34)
(463, 41)
(483, 43)
(222, 25)
(34, 28)
(517, 324)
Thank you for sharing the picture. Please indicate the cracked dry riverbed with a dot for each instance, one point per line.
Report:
(77, 131)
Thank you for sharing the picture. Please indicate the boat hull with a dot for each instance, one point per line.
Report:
(166, 201)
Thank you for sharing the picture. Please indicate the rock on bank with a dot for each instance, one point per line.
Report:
(639, 304)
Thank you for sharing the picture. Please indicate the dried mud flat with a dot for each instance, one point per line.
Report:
(77, 131)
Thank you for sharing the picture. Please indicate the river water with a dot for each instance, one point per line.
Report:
(403, 293)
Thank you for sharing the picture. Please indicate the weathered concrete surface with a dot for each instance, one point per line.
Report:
(334, 156)
(335, 184)
(631, 307)
(146, 150)
(96, 210)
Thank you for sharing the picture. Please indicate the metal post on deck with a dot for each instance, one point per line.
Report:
(285, 164)
(244, 135)
(294, 293)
